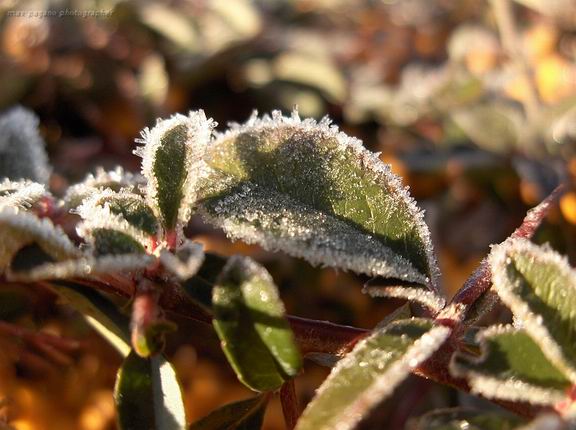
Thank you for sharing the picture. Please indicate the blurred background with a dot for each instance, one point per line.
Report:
(472, 102)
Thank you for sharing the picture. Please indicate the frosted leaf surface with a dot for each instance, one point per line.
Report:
(20, 194)
(249, 320)
(115, 180)
(307, 189)
(370, 372)
(22, 152)
(539, 287)
(511, 367)
(432, 300)
(172, 162)
(18, 228)
(465, 419)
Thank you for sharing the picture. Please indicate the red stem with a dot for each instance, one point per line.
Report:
(290, 404)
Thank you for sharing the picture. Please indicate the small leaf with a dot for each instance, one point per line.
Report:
(100, 313)
(148, 395)
(414, 293)
(85, 267)
(129, 206)
(243, 415)
(249, 319)
(511, 367)
(370, 373)
(20, 194)
(115, 180)
(186, 261)
(22, 153)
(539, 286)
(461, 418)
(309, 190)
(18, 229)
(200, 287)
(109, 233)
(172, 162)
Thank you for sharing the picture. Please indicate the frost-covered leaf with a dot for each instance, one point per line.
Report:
(465, 419)
(172, 162)
(85, 267)
(548, 421)
(186, 261)
(20, 194)
(130, 206)
(309, 190)
(18, 229)
(412, 292)
(511, 367)
(115, 180)
(101, 313)
(249, 320)
(148, 395)
(110, 233)
(242, 415)
(22, 152)
(370, 373)
(539, 286)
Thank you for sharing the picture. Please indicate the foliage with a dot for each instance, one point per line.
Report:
(307, 189)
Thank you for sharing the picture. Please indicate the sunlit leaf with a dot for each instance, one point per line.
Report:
(461, 418)
(172, 162)
(304, 188)
(22, 153)
(243, 415)
(18, 228)
(511, 367)
(148, 395)
(249, 319)
(539, 286)
(414, 293)
(370, 373)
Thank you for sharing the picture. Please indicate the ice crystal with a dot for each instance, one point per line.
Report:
(20, 194)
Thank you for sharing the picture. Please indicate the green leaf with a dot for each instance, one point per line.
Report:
(18, 229)
(243, 415)
(148, 395)
(469, 419)
(539, 286)
(113, 242)
(249, 319)
(22, 153)
(370, 373)
(172, 155)
(511, 367)
(306, 189)
(100, 313)
(129, 206)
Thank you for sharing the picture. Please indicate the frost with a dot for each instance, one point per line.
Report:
(317, 176)
(256, 215)
(97, 218)
(340, 404)
(115, 180)
(187, 260)
(84, 267)
(198, 131)
(512, 390)
(552, 291)
(18, 228)
(22, 153)
(20, 194)
(430, 299)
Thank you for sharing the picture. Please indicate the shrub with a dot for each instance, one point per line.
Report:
(304, 188)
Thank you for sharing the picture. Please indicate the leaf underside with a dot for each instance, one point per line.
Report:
(148, 395)
(370, 373)
(249, 319)
(303, 188)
